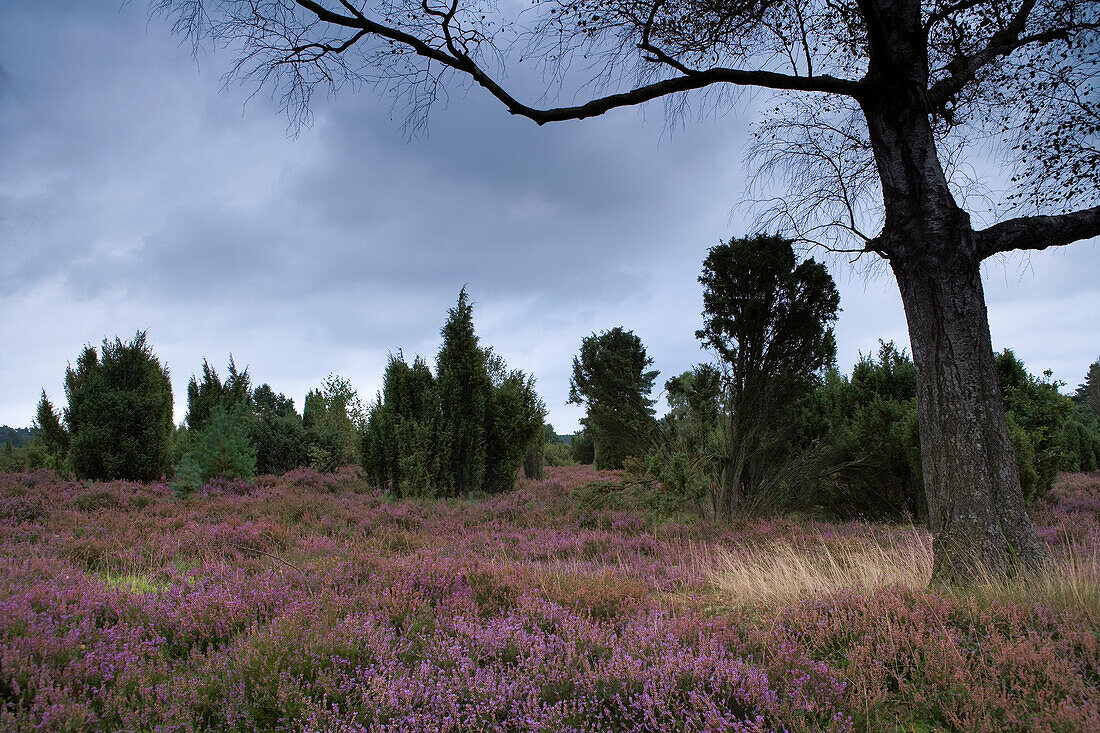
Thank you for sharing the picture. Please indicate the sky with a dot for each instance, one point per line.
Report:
(137, 192)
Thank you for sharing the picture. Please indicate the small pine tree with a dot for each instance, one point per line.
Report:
(221, 449)
(50, 436)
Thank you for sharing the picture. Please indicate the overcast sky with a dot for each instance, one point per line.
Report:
(137, 193)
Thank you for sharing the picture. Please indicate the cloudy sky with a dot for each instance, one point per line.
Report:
(138, 193)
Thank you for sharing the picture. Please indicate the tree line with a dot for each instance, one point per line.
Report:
(467, 428)
(769, 424)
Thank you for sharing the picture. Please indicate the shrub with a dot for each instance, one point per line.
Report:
(399, 446)
(1079, 445)
(332, 417)
(558, 454)
(12, 459)
(277, 432)
(535, 457)
(281, 443)
(514, 423)
(1038, 409)
(582, 450)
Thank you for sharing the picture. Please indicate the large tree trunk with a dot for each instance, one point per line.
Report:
(975, 503)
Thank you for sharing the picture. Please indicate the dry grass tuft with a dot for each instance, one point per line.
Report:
(1073, 583)
(771, 575)
(782, 572)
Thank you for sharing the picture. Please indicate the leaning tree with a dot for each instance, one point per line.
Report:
(877, 103)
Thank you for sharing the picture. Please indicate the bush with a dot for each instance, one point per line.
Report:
(1038, 409)
(281, 443)
(1079, 446)
(515, 422)
(558, 454)
(1025, 459)
(399, 447)
(333, 417)
(867, 427)
(277, 432)
(12, 459)
(535, 458)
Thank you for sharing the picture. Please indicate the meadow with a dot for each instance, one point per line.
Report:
(312, 602)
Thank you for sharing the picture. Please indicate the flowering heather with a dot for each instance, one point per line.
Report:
(310, 602)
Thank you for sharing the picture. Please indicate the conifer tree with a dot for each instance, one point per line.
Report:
(768, 318)
(467, 429)
(399, 444)
(277, 433)
(203, 396)
(50, 434)
(119, 412)
(610, 377)
(514, 423)
(1088, 393)
(220, 449)
(465, 397)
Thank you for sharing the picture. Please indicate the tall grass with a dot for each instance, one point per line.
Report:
(781, 572)
(778, 573)
(1072, 583)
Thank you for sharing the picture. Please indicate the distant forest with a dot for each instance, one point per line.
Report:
(18, 437)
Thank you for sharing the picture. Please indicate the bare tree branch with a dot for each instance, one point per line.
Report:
(964, 67)
(688, 81)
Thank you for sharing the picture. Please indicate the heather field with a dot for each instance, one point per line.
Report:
(308, 602)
